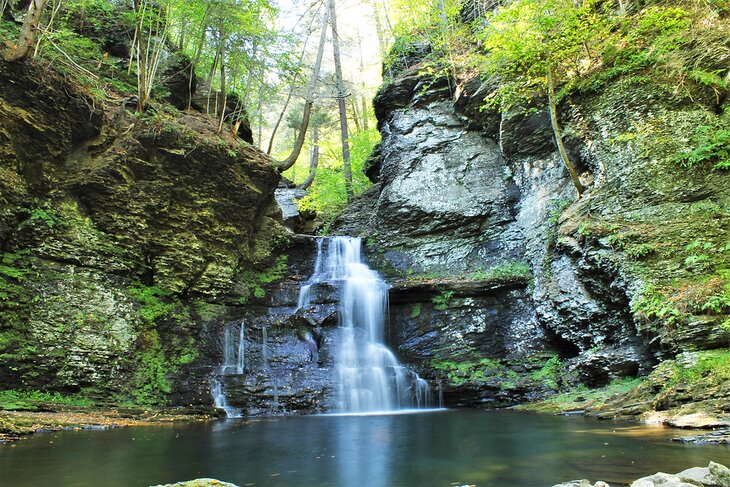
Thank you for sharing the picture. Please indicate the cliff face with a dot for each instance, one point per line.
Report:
(128, 241)
(611, 284)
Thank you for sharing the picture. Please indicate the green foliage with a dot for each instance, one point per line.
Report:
(580, 396)
(46, 216)
(8, 30)
(509, 269)
(709, 368)
(710, 79)
(31, 400)
(416, 310)
(155, 302)
(526, 39)
(437, 25)
(640, 251)
(653, 304)
(476, 371)
(667, 26)
(711, 146)
(327, 195)
(151, 383)
(557, 208)
(549, 373)
(441, 301)
(256, 280)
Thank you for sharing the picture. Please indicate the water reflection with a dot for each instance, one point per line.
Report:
(428, 449)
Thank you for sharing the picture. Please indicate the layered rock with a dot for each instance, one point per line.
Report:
(465, 191)
(128, 242)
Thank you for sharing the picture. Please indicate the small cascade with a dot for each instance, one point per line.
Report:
(234, 363)
(370, 376)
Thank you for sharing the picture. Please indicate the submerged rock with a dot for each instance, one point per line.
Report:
(199, 483)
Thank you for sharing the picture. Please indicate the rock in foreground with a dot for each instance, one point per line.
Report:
(200, 483)
(714, 475)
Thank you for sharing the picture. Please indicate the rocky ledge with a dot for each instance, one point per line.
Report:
(714, 475)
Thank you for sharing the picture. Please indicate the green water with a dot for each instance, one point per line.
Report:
(443, 448)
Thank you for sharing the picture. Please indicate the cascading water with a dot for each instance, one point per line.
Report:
(370, 377)
(234, 363)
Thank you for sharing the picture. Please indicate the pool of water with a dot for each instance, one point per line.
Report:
(441, 448)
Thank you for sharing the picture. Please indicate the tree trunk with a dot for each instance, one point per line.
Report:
(559, 135)
(286, 103)
(224, 95)
(346, 168)
(282, 166)
(314, 160)
(260, 116)
(26, 41)
(278, 122)
(141, 55)
(198, 53)
(379, 31)
(355, 114)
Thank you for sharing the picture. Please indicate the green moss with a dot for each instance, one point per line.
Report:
(707, 369)
(710, 146)
(441, 301)
(151, 376)
(208, 311)
(154, 301)
(31, 400)
(47, 216)
(549, 373)
(474, 371)
(255, 281)
(510, 269)
(581, 397)
(415, 310)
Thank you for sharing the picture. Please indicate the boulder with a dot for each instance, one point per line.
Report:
(199, 483)
(664, 480)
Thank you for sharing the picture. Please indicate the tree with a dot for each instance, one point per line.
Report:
(535, 44)
(150, 38)
(341, 95)
(26, 41)
(318, 120)
(309, 100)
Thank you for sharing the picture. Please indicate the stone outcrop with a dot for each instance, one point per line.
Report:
(128, 242)
(463, 191)
(714, 475)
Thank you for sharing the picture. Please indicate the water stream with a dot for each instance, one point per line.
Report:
(234, 363)
(370, 378)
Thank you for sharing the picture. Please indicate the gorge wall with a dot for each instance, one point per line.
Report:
(505, 285)
(135, 247)
(128, 241)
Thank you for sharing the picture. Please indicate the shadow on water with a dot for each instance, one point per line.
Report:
(426, 449)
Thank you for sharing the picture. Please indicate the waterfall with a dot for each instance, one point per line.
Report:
(234, 363)
(370, 376)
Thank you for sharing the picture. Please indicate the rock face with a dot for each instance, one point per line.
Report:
(613, 279)
(288, 364)
(128, 243)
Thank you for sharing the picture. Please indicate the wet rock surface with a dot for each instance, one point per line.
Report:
(714, 475)
(126, 244)
(463, 191)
